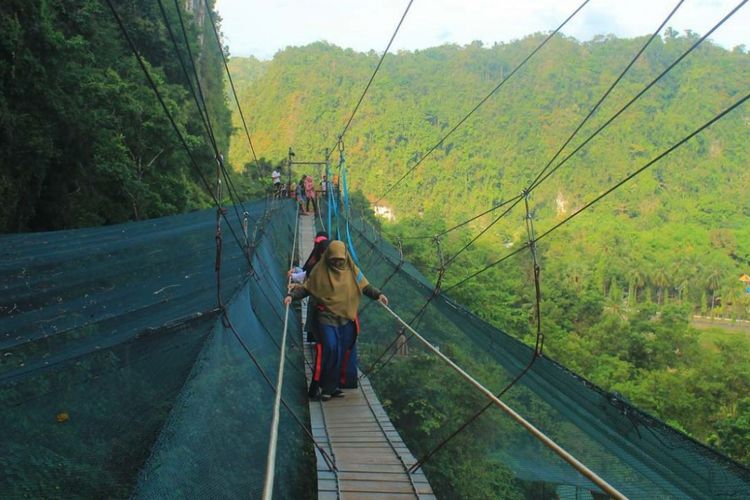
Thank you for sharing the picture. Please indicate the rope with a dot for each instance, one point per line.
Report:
(231, 84)
(169, 116)
(460, 224)
(577, 129)
(395, 271)
(542, 177)
(487, 228)
(485, 99)
(272, 442)
(199, 99)
(639, 94)
(567, 141)
(367, 87)
(347, 212)
(326, 456)
(395, 451)
(535, 355)
(374, 368)
(330, 447)
(610, 190)
(539, 435)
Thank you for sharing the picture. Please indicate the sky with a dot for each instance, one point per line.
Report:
(262, 27)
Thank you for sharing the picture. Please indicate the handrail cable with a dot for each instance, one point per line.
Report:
(272, 442)
(231, 84)
(607, 92)
(180, 137)
(326, 457)
(219, 156)
(610, 190)
(577, 129)
(539, 435)
(485, 99)
(199, 98)
(460, 224)
(538, 348)
(535, 184)
(213, 196)
(367, 87)
(374, 366)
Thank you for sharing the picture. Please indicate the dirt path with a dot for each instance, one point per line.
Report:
(704, 322)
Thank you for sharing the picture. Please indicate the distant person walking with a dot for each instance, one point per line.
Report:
(276, 178)
(301, 195)
(337, 284)
(310, 195)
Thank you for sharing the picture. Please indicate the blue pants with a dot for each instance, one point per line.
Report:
(336, 357)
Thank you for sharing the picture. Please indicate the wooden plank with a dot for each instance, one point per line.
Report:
(376, 487)
(378, 476)
(395, 468)
(361, 495)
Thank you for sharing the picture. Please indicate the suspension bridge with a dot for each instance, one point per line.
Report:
(126, 358)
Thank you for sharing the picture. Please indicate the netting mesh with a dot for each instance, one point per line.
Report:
(119, 377)
(494, 457)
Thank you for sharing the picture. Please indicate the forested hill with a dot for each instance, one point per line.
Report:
(83, 139)
(304, 95)
(690, 208)
(621, 281)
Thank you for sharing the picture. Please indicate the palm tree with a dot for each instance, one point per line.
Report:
(635, 281)
(713, 282)
(730, 301)
(661, 280)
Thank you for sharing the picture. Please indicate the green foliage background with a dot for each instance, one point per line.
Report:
(83, 140)
(619, 283)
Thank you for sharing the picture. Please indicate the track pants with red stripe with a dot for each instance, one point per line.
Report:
(336, 357)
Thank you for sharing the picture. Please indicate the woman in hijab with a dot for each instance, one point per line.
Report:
(337, 285)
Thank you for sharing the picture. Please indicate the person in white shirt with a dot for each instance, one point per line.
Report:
(276, 176)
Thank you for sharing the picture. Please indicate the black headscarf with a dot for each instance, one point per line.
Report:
(321, 245)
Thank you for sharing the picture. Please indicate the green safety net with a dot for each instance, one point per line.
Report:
(120, 377)
(494, 457)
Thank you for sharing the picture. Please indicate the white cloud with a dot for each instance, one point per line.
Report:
(261, 28)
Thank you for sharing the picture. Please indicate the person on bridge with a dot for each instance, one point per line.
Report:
(337, 285)
(300, 191)
(276, 178)
(310, 195)
(298, 276)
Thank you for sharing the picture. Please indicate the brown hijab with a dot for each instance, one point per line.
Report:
(338, 289)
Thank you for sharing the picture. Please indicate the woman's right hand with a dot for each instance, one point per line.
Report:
(287, 300)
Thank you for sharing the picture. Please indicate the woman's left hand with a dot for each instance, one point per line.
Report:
(383, 299)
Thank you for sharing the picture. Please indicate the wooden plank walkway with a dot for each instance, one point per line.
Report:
(371, 458)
